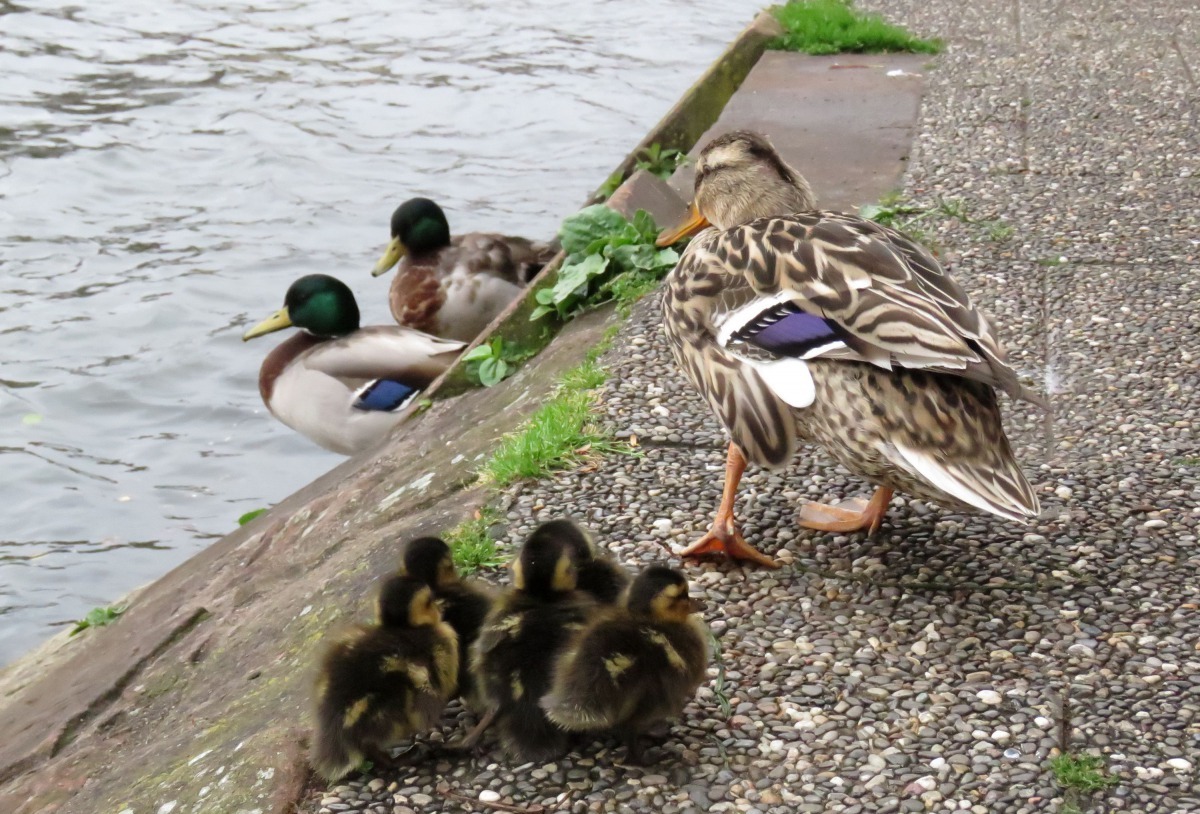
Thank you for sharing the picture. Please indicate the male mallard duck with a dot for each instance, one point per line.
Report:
(465, 602)
(453, 287)
(526, 629)
(798, 325)
(598, 574)
(635, 666)
(379, 684)
(341, 385)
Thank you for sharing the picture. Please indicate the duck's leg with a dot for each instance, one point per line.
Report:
(724, 536)
(471, 739)
(867, 515)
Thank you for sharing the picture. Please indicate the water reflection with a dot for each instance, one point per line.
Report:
(170, 167)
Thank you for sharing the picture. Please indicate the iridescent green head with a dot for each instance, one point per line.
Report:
(418, 226)
(319, 304)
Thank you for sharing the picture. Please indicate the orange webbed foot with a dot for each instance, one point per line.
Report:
(724, 538)
(855, 514)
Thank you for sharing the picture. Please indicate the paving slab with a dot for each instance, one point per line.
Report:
(847, 119)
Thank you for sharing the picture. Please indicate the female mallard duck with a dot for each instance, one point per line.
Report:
(379, 684)
(597, 574)
(527, 628)
(465, 602)
(341, 385)
(633, 666)
(798, 325)
(453, 287)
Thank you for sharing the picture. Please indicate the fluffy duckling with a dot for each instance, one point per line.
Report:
(381, 683)
(453, 287)
(598, 574)
(633, 666)
(464, 603)
(526, 629)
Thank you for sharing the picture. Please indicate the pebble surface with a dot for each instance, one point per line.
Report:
(929, 667)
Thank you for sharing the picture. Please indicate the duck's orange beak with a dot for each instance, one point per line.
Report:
(694, 223)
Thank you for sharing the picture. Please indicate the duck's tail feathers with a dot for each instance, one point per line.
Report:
(996, 486)
(574, 716)
(332, 756)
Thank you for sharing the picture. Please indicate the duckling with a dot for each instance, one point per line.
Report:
(378, 684)
(465, 602)
(454, 287)
(633, 666)
(524, 632)
(599, 574)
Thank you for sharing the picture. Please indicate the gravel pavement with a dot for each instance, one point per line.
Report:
(939, 665)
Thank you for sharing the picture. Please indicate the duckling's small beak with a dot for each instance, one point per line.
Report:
(391, 256)
(695, 605)
(694, 223)
(276, 322)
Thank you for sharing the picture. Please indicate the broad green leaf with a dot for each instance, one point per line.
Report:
(491, 371)
(484, 351)
(588, 225)
(539, 312)
(575, 279)
(644, 226)
(667, 258)
(545, 296)
(870, 211)
(635, 256)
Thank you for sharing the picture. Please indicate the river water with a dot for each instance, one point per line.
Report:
(169, 167)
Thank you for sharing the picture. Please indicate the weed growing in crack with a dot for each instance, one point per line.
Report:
(472, 544)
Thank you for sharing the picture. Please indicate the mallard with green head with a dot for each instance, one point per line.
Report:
(341, 385)
(805, 326)
(453, 287)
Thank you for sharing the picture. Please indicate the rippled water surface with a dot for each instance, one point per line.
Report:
(169, 167)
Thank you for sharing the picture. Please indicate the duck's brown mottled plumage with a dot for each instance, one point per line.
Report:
(901, 391)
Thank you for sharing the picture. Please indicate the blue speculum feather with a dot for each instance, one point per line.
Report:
(788, 331)
(384, 395)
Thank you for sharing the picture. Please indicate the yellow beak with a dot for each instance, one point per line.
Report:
(694, 223)
(276, 322)
(391, 256)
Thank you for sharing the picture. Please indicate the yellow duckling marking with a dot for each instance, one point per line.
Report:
(509, 624)
(672, 654)
(355, 711)
(618, 664)
(393, 664)
(419, 676)
(518, 689)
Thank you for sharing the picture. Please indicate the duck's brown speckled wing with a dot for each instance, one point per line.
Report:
(746, 307)
(886, 297)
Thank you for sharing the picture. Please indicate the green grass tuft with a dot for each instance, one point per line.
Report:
(559, 435)
(1081, 773)
(472, 545)
(834, 27)
(248, 516)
